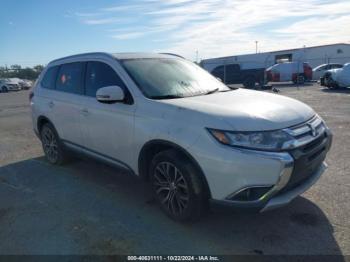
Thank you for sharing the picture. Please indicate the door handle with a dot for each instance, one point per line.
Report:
(51, 104)
(85, 112)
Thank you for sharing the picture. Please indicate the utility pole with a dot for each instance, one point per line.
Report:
(256, 47)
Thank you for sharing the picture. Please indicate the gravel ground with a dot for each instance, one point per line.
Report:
(88, 208)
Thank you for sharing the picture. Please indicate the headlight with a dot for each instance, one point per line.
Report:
(265, 140)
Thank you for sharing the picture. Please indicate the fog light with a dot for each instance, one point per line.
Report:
(250, 194)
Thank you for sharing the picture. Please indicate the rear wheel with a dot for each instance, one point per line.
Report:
(177, 187)
(300, 80)
(52, 146)
(249, 82)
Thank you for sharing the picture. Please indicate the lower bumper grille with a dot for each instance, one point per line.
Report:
(307, 159)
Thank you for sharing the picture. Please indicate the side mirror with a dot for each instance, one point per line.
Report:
(110, 94)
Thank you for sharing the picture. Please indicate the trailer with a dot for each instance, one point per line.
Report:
(249, 69)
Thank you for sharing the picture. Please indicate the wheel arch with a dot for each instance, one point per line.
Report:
(151, 148)
(41, 121)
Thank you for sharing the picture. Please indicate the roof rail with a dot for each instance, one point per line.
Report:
(172, 55)
(81, 55)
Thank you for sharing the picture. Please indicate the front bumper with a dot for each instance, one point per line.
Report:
(258, 179)
(284, 198)
(301, 168)
(277, 200)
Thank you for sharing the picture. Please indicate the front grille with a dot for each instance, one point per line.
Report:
(309, 156)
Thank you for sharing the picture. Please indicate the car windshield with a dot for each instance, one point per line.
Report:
(167, 78)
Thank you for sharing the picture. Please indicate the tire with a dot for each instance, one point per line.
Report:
(249, 82)
(329, 82)
(177, 187)
(52, 145)
(301, 79)
(4, 89)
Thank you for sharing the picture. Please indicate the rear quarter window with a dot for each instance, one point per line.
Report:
(70, 78)
(49, 78)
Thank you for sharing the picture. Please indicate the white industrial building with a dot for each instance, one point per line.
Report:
(315, 55)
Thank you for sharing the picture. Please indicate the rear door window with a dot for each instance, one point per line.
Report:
(70, 78)
(99, 75)
(49, 79)
(232, 69)
(336, 66)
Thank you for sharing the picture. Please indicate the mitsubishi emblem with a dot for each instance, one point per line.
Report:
(313, 130)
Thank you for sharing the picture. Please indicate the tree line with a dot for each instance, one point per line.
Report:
(30, 73)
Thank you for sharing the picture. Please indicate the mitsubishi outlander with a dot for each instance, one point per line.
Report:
(195, 140)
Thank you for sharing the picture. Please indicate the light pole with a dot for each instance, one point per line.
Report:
(256, 47)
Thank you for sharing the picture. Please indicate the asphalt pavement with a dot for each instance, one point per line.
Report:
(86, 207)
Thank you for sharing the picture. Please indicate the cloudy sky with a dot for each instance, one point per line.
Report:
(36, 31)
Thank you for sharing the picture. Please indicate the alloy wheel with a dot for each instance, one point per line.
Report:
(171, 187)
(50, 145)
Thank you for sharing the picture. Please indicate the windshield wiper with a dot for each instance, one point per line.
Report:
(166, 97)
(212, 91)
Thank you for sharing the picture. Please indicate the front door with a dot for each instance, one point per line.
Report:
(107, 128)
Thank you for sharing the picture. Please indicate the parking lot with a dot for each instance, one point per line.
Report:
(86, 207)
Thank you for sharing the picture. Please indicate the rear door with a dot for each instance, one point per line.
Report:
(233, 74)
(66, 103)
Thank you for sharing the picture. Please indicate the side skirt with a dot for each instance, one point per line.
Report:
(98, 156)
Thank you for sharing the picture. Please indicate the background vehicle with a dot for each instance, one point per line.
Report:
(7, 85)
(290, 71)
(319, 71)
(336, 78)
(25, 84)
(243, 148)
(234, 73)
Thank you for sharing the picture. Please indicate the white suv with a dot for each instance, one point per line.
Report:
(170, 122)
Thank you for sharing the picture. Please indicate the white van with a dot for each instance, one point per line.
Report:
(170, 122)
(289, 71)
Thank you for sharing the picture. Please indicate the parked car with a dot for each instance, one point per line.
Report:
(168, 121)
(336, 78)
(7, 85)
(25, 84)
(235, 74)
(320, 70)
(289, 71)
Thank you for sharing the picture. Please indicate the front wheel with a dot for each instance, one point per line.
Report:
(329, 82)
(177, 187)
(4, 89)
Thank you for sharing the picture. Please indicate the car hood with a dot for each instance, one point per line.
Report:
(246, 110)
